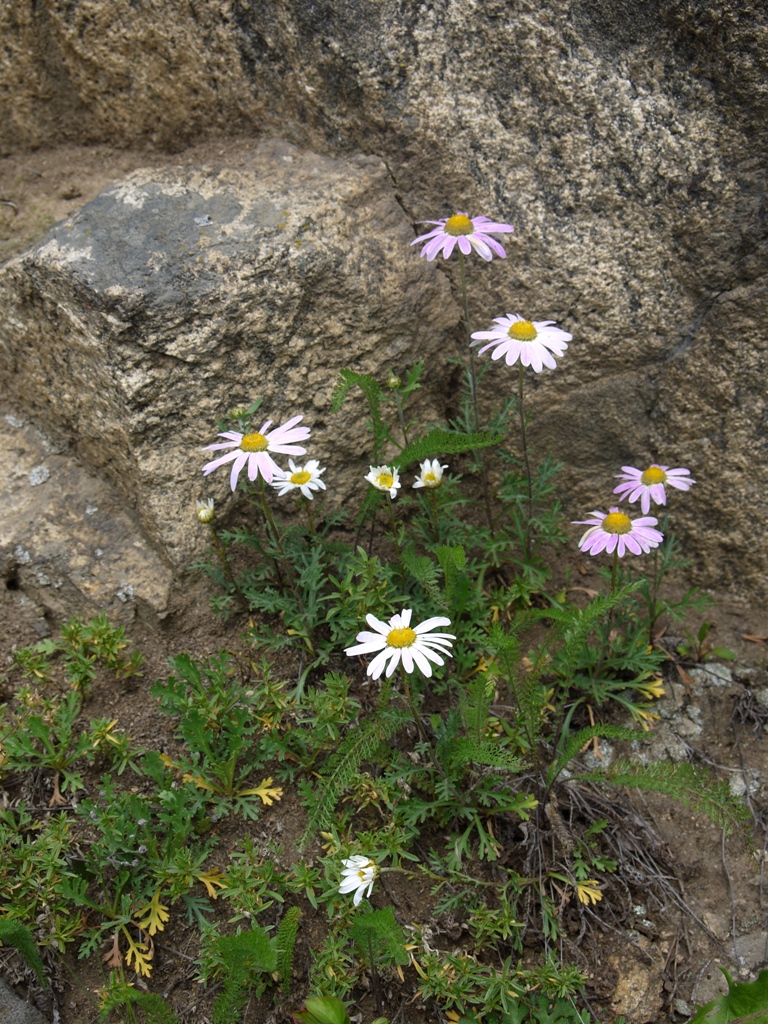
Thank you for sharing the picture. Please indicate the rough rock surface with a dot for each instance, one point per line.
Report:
(624, 138)
(135, 325)
(17, 1011)
(67, 545)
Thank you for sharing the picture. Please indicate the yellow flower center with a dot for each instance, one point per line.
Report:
(459, 224)
(254, 443)
(300, 477)
(617, 522)
(404, 637)
(430, 480)
(653, 475)
(522, 330)
(384, 481)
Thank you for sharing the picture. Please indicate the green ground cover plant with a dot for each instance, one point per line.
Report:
(446, 688)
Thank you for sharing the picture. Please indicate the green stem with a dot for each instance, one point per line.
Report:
(468, 325)
(473, 387)
(286, 564)
(393, 525)
(433, 507)
(615, 570)
(222, 553)
(375, 983)
(310, 518)
(399, 404)
(412, 706)
(521, 394)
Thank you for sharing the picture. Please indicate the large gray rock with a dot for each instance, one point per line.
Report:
(134, 326)
(624, 138)
(67, 544)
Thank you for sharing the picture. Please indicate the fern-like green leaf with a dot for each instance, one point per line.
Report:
(372, 391)
(579, 740)
(284, 942)
(358, 745)
(575, 624)
(457, 583)
(422, 569)
(444, 442)
(154, 1006)
(693, 786)
(122, 997)
(474, 704)
(244, 957)
(14, 933)
(466, 751)
(379, 934)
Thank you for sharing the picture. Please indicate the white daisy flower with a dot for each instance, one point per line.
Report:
(385, 478)
(395, 641)
(306, 478)
(430, 474)
(205, 510)
(359, 874)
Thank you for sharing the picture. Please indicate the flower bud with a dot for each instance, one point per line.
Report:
(205, 510)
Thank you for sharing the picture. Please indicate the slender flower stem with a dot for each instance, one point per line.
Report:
(403, 427)
(310, 518)
(615, 570)
(286, 564)
(433, 507)
(222, 553)
(393, 525)
(412, 706)
(473, 386)
(527, 461)
(468, 325)
(375, 982)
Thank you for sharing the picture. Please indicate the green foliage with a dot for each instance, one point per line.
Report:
(357, 746)
(445, 443)
(49, 741)
(373, 393)
(218, 725)
(285, 940)
(379, 938)
(121, 997)
(693, 786)
(745, 1002)
(698, 648)
(14, 933)
(322, 1010)
(82, 646)
(240, 961)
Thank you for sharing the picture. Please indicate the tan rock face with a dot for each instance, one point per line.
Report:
(624, 139)
(137, 324)
(67, 544)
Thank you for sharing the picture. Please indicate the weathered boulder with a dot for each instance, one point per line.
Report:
(67, 544)
(135, 325)
(624, 138)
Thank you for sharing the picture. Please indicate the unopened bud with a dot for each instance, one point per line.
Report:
(205, 510)
(393, 381)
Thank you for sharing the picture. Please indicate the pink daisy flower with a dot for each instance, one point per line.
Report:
(467, 232)
(254, 450)
(648, 485)
(534, 343)
(617, 532)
